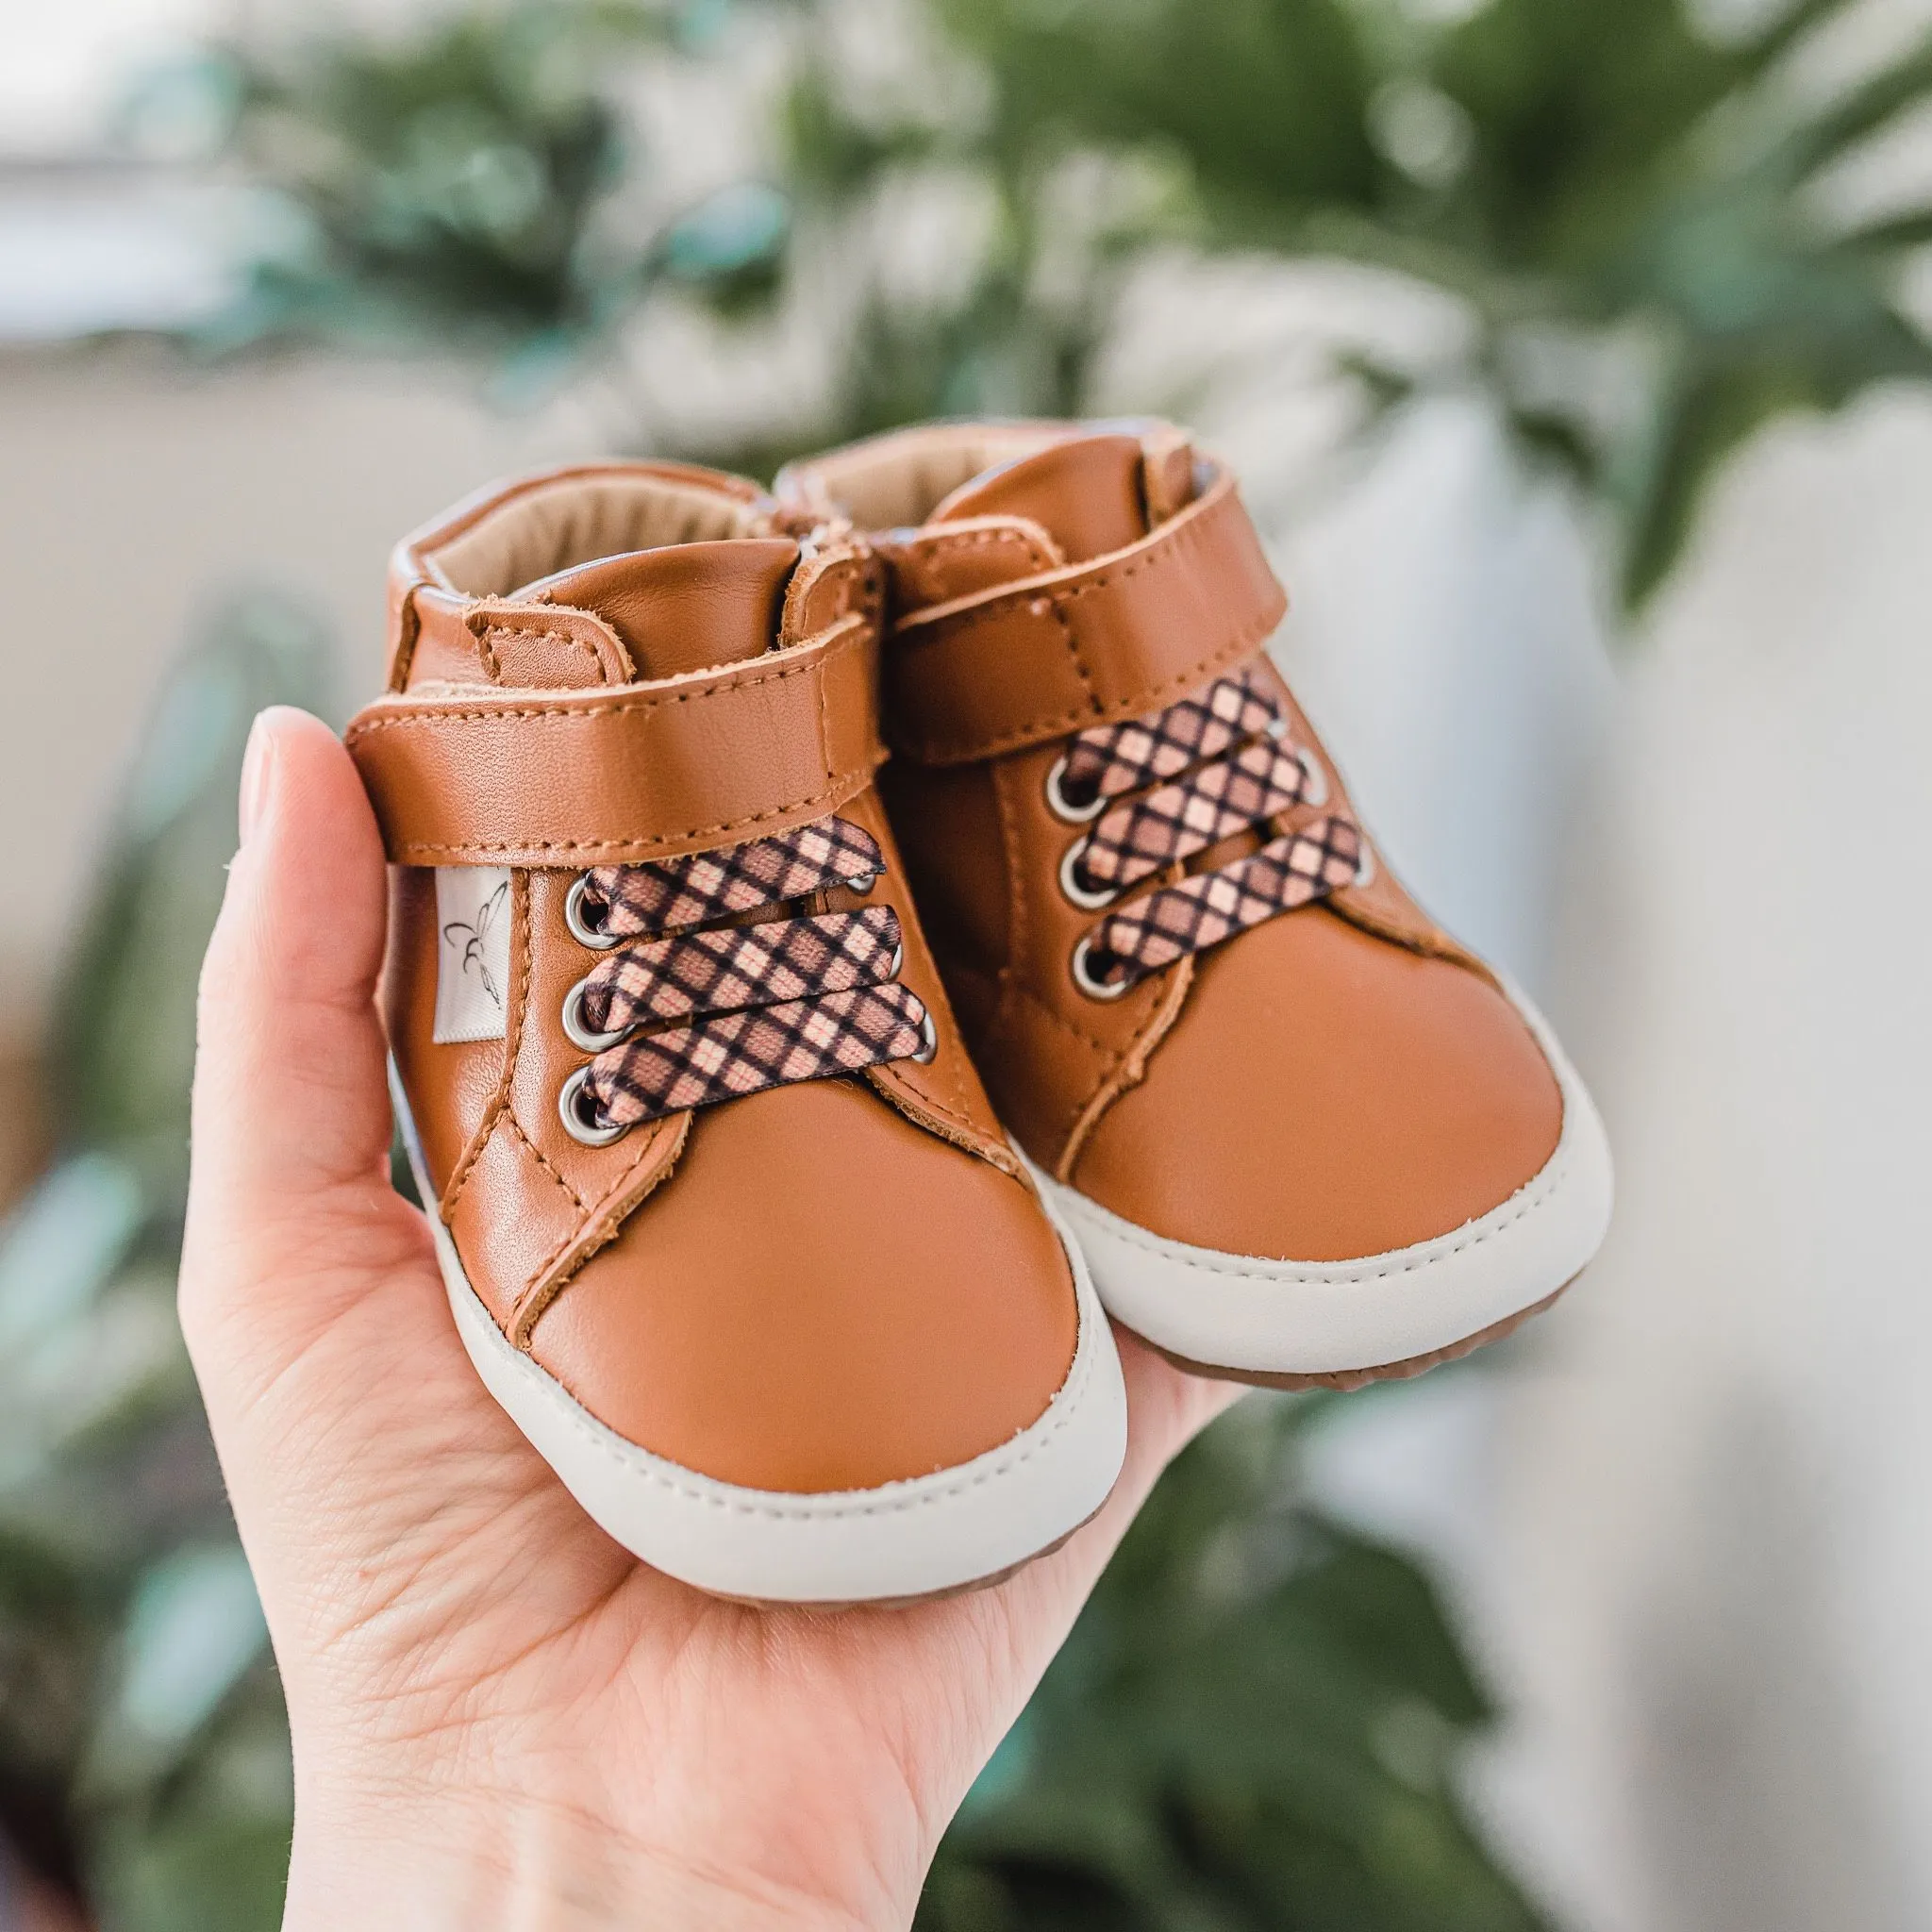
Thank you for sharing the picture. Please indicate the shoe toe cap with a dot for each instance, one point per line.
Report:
(822, 1297)
(1327, 1095)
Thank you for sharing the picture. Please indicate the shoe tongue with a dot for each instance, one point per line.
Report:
(685, 607)
(1085, 491)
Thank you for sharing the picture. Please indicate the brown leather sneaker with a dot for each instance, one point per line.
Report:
(726, 1221)
(1302, 1133)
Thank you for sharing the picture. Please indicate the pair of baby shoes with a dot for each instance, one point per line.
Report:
(763, 863)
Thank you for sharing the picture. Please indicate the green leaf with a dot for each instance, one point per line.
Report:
(1856, 114)
(124, 1028)
(195, 1627)
(62, 1246)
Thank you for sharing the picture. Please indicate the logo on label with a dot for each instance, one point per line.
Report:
(472, 952)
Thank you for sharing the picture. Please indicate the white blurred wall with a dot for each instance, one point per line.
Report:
(1716, 1474)
(1685, 1514)
(132, 493)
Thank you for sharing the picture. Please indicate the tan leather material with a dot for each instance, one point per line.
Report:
(1087, 491)
(974, 554)
(947, 820)
(518, 1192)
(983, 855)
(1259, 1100)
(570, 1199)
(823, 1298)
(688, 608)
(1168, 471)
(944, 1095)
(829, 585)
(817, 1287)
(514, 533)
(623, 776)
(502, 642)
(1326, 1096)
(1118, 636)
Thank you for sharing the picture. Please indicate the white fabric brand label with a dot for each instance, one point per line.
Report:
(472, 953)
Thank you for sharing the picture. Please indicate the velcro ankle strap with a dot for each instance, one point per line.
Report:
(620, 774)
(1094, 643)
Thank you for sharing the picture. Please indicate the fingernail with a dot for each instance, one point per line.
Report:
(257, 774)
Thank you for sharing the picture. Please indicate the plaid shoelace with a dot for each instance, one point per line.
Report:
(1218, 763)
(697, 1012)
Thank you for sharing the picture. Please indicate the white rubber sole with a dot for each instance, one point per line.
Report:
(1258, 1316)
(923, 1536)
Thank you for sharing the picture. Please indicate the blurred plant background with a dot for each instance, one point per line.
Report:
(1634, 229)
(1645, 221)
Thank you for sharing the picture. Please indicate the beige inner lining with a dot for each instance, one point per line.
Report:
(574, 520)
(901, 479)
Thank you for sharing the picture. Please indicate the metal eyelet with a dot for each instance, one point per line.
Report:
(576, 1032)
(1314, 776)
(1365, 865)
(861, 884)
(594, 937)
(570, 1112)
(930, 1050)
(1061, 806)
(1082, 896)
(1084, 978)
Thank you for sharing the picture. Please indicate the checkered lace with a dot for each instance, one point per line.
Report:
(697, 1011)
(1161, 789)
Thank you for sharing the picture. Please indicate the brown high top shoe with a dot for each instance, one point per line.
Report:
(1302, 1133)
(726, 1221)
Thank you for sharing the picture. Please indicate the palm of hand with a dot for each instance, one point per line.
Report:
(452, 1630)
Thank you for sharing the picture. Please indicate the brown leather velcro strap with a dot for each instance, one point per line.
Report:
(620, 774)
(1090, 644)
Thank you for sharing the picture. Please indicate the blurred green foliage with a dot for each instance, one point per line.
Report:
(1255, 1726)
(144, 1750)
(1632, 204)
(464, 187)
(1638, 212)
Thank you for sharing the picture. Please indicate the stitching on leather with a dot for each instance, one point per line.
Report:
(1007, 813)
(924, 1097)
(1112, 1055)
(409, 629)
(1071, 1396)
(824, 725)
(598, 1228)
(567, 714)
(1533, 1194)
(934, 1117)
(1022, 736)
(1194, 533)
(513, 1045)
(1175, 982)
(843, 786)
(1071, 639)
(517, 1127)
(932, 553)
(541, 637)
(1153, 551)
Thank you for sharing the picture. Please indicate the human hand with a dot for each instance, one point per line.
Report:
(500, 1717)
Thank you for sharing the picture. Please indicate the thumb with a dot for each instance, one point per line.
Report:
(291, 1116)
